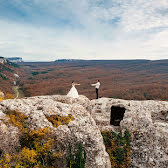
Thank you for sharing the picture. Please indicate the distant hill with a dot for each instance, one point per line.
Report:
(68, 60)
(15, 59)
(157, 66)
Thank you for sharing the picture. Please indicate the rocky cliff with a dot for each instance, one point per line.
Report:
(38, 110)
(147, 122)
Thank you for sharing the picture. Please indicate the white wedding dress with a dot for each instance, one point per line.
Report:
(73, 92)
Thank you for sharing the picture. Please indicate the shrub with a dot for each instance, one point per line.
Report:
(17, 119)
(37, 149)
(35, 73)
(50, 70)
(5, 68)
(78, 159)
(36, 146)
(44, 72)
(1, 95)
(57, 120)
(7, 96)
(5, 161)
(13, 64)
(27, 157)
(3, 77)
(118, 147)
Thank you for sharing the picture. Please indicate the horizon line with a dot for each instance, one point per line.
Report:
(57, 60)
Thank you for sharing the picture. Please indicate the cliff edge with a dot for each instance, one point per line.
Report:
(80, 127)
(147, 121)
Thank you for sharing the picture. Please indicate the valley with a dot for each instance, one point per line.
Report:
(126, 79)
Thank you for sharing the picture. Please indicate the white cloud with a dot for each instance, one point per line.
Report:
(143, 15)
(111, 29)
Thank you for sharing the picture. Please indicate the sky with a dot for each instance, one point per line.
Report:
(46, 30)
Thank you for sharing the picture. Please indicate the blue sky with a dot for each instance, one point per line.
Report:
(87, 29)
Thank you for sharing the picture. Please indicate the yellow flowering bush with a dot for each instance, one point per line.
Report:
(118, 147)
(28, 157)
(7, 96)
(37, 151)
(37, 146)
(5, 161)
(17, 119)
(41, 142)
(1, 95)
(57, 120)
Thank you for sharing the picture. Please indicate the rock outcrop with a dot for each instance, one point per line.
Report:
(147, 121)
(3, 60)
(83, 128)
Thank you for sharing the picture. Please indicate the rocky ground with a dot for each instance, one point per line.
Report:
(147, 122)
(83, 128)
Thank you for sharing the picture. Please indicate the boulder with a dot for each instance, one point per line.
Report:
(83, 128)
(147, 122)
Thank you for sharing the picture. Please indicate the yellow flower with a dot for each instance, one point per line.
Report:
(28, 155)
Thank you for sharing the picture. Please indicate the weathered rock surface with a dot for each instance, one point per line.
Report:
(83, 128)
(147, 121)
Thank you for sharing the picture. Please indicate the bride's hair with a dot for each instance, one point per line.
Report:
(72, 81)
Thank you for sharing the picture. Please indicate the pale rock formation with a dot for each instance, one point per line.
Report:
(15, 59)
(147, 122)
(83, 128)
(3, 60)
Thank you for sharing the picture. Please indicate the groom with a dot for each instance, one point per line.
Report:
(97, 85)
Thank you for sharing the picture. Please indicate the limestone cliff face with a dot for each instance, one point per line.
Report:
(147, 121)
(83, 128)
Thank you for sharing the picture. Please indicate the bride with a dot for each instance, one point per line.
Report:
(73, 92)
